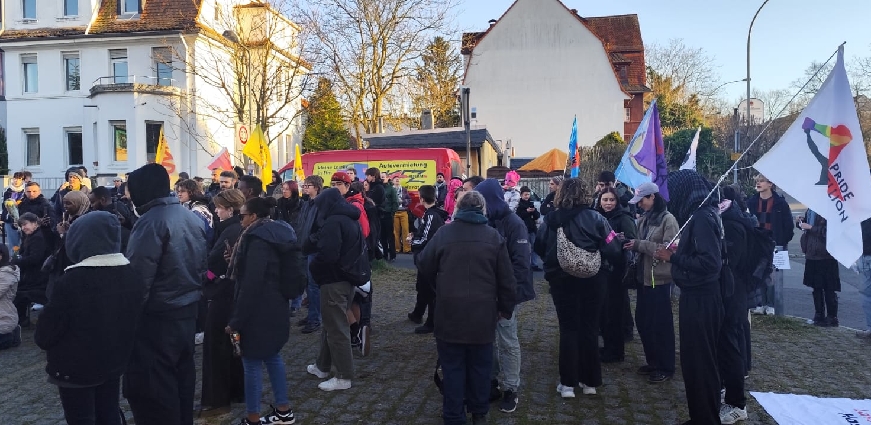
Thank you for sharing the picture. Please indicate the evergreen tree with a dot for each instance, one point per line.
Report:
(437, 78)
(325, 127)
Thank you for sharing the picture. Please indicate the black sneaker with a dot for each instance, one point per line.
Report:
(277, 417)
(479, 419)
(415, 318)
(657, 377)
(645, 370)
(247, 422)
(421, 330)
(309, 328)
(833, 322)
(509, 402)
(821, 322)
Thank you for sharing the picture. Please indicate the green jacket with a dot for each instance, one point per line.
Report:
(391, 200)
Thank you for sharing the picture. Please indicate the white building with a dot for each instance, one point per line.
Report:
(93, 82)
(540, 65)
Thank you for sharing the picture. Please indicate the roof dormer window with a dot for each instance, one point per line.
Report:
(130, 7)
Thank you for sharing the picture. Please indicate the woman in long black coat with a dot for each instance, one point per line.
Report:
(223, 380)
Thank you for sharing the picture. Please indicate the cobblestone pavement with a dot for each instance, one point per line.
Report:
(394, 384)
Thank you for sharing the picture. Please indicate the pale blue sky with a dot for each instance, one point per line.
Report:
(788, 34)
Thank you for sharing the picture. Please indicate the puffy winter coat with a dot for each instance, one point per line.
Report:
(9, 276)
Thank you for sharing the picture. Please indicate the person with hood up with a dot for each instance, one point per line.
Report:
(474, 287)
(261, 314)
(732, 345)
(454, 185)
(511, 194)
(10, 274)
(35, 249)
(433, 219)
(12, 198)
(76, 204)
(88, 326)
(336, 241)
(74, 178)
(617, 296)
(695, 268)
(653, 311)
(509, 225)
(578, 301)
(168, 249)
(222, 373)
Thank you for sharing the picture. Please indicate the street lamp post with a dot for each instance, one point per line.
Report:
(747, 117)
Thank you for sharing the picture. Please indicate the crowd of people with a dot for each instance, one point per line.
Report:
(229, 264)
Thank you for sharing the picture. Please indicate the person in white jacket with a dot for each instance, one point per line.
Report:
(10, 332)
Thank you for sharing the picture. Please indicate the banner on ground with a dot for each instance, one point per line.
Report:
(795, 409)
(644, 158)
(821, 161)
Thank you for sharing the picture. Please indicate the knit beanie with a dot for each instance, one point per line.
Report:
(148, 183)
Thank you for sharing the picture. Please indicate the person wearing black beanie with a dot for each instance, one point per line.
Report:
(168, 248)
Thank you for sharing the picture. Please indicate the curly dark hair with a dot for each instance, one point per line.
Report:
(570, 194)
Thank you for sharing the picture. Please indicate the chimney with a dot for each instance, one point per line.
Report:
(426, 119)
(575, 11)
(492, 22)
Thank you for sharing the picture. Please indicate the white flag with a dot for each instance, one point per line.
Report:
(821, 162)
(690, 162)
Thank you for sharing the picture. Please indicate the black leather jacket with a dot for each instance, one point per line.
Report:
(586, 228)
(168, 249)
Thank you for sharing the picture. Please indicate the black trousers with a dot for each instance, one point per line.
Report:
(425, 300)
(466, 370)
(613, 326)
(825, 303)
(93, 405)
(388, 242)
(701, 315)
(732, 346)
(578, 305)
(628, 321)
(161, 376)
(656, 327)
(223, 375)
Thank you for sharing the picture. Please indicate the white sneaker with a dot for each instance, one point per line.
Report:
(565, 392)
(730, 414)
(758, 310)
(335, 384)
(587, 390)
(313, 369)
(769, 311)
(199, 338)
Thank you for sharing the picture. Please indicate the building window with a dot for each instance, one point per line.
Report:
(28, 9)
(118, 58)
(152, 138)
(119, 140)
(31, 73)
(162, 65)
(31, 147)
(75, 155)
(72, 72)
(129, 7)
(628, 117)
(71, 7)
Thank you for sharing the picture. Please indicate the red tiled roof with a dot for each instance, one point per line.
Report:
(620, 36)
(42, 33)
(157, 15)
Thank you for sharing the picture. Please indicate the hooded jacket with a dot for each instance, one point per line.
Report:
(9, 276)
(451, 199)
(167, 247)
(88, 326)
(512, 228)
(697, 262)
(474, 283)
(782, 224)
(261, 314)
(335, 238)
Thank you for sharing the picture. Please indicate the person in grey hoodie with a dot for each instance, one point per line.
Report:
(512, 228)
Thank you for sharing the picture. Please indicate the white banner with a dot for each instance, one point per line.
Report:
(792, 409)
(690, 161)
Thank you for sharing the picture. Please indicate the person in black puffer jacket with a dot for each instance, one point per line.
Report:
(578, 301)
(168, 249)
(336, 239)
(695, 268)
(88, 326)
(35, 249)
(617, 299)
(261, 314)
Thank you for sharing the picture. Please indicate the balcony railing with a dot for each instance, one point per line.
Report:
(135, 83)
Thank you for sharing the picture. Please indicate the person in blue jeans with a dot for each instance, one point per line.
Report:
(311, 187)
(261, 315)
(864, 265)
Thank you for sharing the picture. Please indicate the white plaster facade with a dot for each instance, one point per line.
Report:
(141, 98)
(537, 68)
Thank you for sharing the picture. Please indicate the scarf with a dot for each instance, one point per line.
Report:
(238, 249)
(80, 202)
(471, 215)
(17, 189)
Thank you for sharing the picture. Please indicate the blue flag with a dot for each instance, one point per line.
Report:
(644, 159)
(574, 159)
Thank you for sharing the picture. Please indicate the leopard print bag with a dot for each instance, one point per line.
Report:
(575, 260)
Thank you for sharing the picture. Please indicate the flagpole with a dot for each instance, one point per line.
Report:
(759, 136)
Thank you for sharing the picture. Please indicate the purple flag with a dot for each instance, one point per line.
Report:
(652, 153)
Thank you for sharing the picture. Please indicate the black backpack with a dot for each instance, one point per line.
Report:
(294, 278)
(355, 267)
